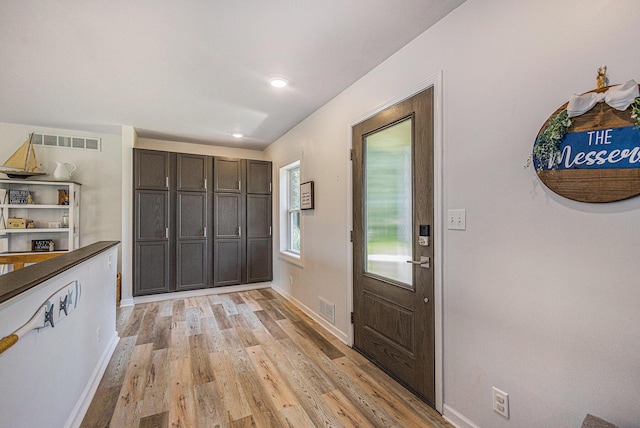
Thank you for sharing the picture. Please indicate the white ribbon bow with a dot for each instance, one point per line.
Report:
(619, 97)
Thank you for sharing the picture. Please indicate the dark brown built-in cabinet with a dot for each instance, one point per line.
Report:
(200, 221)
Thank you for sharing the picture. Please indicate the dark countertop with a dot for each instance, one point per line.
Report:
(19, 281)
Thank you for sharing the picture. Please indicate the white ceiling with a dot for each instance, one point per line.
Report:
(193, 70)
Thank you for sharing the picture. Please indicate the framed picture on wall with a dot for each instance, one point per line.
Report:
(306, 195)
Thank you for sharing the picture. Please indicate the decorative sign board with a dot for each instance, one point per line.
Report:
(306, 195)
(42, 245)
(599, 156)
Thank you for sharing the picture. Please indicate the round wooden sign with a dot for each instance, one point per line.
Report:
(599, 156)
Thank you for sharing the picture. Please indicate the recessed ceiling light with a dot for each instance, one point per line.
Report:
(237, 135)
(279, 82)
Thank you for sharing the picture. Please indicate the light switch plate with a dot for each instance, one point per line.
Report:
(457, 219)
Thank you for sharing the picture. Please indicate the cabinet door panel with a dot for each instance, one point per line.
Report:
(191, 265)
(151, 214)
(191, 215)
(258, 177)
(259, 264)
(228, 215)
(227, 175)
(258, 216)
(192, 172)
(151, 268)
(151, 169)
(227, 262)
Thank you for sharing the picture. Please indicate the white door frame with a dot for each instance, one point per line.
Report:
(434, 81)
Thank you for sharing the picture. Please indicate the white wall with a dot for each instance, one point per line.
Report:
(99, 172)
(540, 292)
(200, 149)
(49, 375)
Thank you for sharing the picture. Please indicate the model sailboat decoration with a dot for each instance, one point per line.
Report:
(22, 163)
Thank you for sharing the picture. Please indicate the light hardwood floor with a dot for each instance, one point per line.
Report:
(247, 359)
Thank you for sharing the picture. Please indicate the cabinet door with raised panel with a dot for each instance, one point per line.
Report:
(151, 169)
(258, 177)
(191, 264)
(191, 213)
(259, 252)
(258, 216)
(259, 266)
(151, 269)
(227, 215)
(191, 240)
(151, 215)
(191, 172)
(227, 174)
(227, 258)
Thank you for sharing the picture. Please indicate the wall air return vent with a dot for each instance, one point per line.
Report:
(327, 310)
(66, 142)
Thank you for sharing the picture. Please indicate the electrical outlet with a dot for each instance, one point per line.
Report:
(98, 336)
(457, 219)
(501, 402)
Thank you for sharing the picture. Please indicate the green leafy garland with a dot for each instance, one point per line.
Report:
(635, 112)
(547, 147)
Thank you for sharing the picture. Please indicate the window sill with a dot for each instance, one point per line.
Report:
(292, 258)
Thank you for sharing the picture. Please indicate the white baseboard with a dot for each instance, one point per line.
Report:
(126, 302)
(342, 336)
(81, 407)
(456, 419)
(195, 293)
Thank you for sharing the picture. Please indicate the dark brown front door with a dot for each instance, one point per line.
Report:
(392, 277)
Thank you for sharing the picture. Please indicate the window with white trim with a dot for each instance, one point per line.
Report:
(290, 217)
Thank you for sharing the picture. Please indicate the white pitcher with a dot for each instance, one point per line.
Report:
(63, 171)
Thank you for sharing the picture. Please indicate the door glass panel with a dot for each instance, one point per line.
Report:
(388, 210)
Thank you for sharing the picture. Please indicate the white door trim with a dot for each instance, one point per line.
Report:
(434, 81)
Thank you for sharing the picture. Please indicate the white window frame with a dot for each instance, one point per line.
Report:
(285, 210)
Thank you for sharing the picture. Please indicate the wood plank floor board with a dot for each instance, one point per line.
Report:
(162, 332)
(221, 317)
(159, 420)
(146, 331)
(300, 361)
(249, 315)
(229, 389)
(272, 380)
(209, 406)
(302, 383)
(165, 308)
(156, 389)
(133, 323)
(179, 310)
(263, 411)
(250, 301)
(271, 325)
(122, 317)
(272, 310)
(347, 414)
(201, 369)
(182, 412)
(101, 409)
(247, 359)
(119, 363)
(194, 325)
(179, 348)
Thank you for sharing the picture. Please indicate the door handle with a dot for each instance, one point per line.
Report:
(423, 262)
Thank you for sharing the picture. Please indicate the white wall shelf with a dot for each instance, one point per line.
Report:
(43, 212)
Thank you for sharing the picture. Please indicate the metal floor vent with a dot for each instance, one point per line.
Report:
(66, 142)
(327, 310)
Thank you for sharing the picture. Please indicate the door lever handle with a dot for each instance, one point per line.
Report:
(423, 262)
